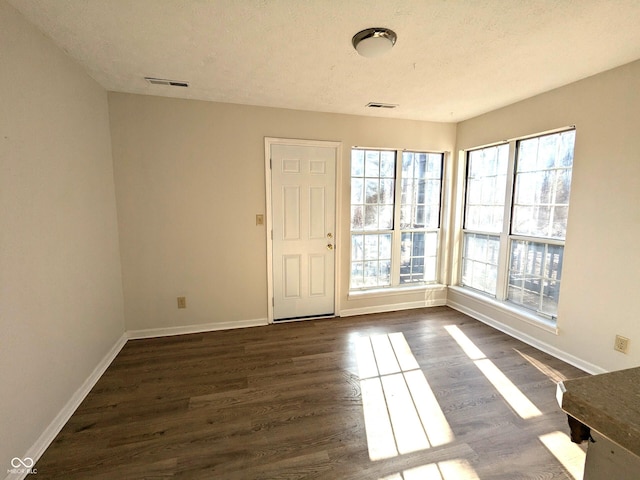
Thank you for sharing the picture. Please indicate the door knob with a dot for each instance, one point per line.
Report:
(329, 235)
(330, 246)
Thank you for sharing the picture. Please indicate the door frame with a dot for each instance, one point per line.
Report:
(337, 146)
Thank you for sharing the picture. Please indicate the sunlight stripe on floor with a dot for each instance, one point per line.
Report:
(367, 367)
(457, 469)
(435, 423)
(403, 352)
(505, 387)
(512, 394)
(473, 352)
(401, 412)
(570, 455)
(380, 438)
(409, 434)
(385, 356)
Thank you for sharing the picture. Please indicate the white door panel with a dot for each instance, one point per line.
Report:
(303, 211)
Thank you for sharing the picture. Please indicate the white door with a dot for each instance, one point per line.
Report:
(303, 212)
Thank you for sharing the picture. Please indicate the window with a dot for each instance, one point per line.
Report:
(484, 216)
(395, 217)
(515, 222)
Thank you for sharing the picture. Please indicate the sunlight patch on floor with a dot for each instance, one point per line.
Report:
(380, 438)
(448, 470)
(553, 374)
(570, 455)
(512, 394)
(468, 347)
(437, 428)
(401, 412)
(507, 389)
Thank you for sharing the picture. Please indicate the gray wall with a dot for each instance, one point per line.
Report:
(61, 306)
(599, 291)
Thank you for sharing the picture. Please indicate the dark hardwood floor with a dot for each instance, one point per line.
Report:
(287, 402)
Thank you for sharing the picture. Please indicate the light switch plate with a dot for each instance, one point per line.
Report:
(182, 302)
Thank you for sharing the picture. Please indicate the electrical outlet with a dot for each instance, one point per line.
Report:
(182, 302)
(259, 219)
(621, 344)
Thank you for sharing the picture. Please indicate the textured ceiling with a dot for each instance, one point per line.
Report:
(454, 59)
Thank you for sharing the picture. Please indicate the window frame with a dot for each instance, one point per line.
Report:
(505, 236)
(396, 230)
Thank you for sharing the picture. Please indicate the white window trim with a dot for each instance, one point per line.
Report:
(394, 289)
(510, 309)
(546, 322)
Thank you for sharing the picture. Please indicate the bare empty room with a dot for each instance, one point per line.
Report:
(276, 239)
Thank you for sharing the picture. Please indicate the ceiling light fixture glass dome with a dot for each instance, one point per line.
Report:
(374, 42)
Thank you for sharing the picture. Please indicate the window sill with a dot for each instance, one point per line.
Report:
(511, 310)
(392, 291)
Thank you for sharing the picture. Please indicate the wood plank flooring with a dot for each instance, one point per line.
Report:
(285, 402)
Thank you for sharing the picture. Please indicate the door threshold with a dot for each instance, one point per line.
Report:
(308, 317)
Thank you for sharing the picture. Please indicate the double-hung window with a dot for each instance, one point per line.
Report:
(484, 216)
(515, 222)
(395, 217)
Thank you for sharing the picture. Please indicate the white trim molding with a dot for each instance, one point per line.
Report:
(54, 428)
(434, 295)
(199, 328)
(497, 309)
(60, 420)
(488, 313)
(350, 312)
(430, 292)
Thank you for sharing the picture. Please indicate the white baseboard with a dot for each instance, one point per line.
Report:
(350, 312)
(204, 327)
(528, 339)
(49, 434)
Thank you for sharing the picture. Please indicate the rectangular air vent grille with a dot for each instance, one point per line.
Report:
(381, 105)
(163, 81)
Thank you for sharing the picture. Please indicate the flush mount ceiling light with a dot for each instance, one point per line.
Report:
(373, 42)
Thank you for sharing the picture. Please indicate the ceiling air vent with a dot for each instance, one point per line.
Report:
(381, 105)
(163, 81)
